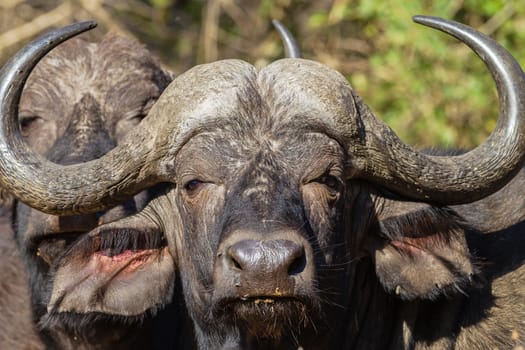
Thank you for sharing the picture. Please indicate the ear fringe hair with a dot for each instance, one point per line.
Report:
(6, 198)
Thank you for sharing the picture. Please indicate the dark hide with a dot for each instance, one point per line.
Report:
(78, 103)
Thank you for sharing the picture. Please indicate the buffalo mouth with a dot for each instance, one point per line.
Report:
(113, 271)
(268, 317)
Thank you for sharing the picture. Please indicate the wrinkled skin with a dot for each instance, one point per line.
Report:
(79, 103)
(336, 263)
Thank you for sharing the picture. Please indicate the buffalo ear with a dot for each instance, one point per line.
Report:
(420, 251)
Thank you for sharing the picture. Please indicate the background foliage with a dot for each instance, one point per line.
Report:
(429, 88)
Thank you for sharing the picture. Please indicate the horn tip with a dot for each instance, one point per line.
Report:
(86, 25)
(422, 19)
(291, 47)
(91, 24)
(277, 24)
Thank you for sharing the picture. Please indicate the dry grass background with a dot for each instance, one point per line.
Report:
(432, 90)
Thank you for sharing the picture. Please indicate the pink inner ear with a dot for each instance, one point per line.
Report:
(406, 246)
(130, 260)
(416, 245)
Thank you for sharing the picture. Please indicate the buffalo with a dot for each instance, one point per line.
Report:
(293, 216)
(78, 104)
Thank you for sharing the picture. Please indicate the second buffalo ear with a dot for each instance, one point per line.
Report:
(420, 251)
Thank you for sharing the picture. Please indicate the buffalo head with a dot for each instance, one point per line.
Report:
(78, 104)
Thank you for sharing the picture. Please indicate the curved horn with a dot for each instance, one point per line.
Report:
(291, 48)
(467, 177)
(53, 188)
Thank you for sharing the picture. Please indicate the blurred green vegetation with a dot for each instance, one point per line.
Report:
(430, 89)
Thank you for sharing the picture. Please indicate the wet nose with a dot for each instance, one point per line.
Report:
(279, 258)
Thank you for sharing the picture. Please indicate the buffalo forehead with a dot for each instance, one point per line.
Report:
(295, 93)
(81, 67)
(203, 95)
(309, 89)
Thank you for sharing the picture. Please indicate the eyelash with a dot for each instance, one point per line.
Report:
(329, 181)
(192, 185)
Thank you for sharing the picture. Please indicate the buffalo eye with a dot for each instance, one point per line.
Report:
(124, 125)
(136, 119)
(146, 107)
(191, 187)
(331, 182)
(28, 124)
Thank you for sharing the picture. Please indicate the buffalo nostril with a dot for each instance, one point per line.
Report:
(240, 255)
(293, 257)
(297, 265)
(236, 263)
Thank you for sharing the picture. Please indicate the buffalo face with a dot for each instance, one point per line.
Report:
(261, 213)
